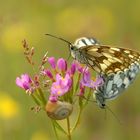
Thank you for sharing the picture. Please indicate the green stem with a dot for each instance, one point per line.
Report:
(77, 120)
(69, 132)
(77, 83)
(42, 96)
(55, 131)
(35, 99)
(59, 127)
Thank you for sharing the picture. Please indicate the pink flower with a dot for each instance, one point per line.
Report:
(24, 81)
(53, 98)
(62, 64)
(88, 82)
(48, 73)
(61, 85)
(52, 62)
(73, 68)
(99, 82)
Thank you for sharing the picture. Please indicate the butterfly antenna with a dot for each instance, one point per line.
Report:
(113, 114)
(59, 38)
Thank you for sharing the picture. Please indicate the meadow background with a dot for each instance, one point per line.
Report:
(111, 22)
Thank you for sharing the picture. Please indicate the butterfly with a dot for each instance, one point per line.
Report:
(117, 66)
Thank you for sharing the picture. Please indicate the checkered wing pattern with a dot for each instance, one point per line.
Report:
(117, 66)
(105, 59)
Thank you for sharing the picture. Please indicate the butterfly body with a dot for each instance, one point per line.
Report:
(117, 66)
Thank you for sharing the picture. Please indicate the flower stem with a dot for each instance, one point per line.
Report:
(35, 99)
(59, 127)
(69, 132)
(88, 97)
(77, 83)
(55, 131)
(78, 120)
(42, 96)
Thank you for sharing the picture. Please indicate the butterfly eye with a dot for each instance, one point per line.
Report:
(72, 47)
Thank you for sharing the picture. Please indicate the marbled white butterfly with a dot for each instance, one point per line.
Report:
(117, 66)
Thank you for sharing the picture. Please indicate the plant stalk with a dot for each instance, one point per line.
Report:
(69, 132)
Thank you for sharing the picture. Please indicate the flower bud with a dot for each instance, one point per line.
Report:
(52, 62)
(62, 64)
(53, 98)
(48, 73)
(73, 68)
(24, 81)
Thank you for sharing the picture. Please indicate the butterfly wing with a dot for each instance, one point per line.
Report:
(117, 66)
(106, 59)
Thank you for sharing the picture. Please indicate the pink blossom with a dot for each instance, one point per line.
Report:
(73, 68)
(62, 64)
(88, 82)
(61, 85)
(52, 62)
(48, 73)
(24, 81)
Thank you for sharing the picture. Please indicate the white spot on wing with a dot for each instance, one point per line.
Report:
(116, 77)
(93, 49)
(132, 75)
(126, 71)
(111, 60)
(103, 66)
(81, 43)
(127, 51)
(110, 93)
(119, 82)
(109, 86)
(107, 62)
(131, 56)
(126, 82)
(116, 92)
(92, 40)
(115, 49)
(88, 42)
(107, 55)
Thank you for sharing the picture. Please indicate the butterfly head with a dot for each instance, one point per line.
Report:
(73, 50)
(79, 44)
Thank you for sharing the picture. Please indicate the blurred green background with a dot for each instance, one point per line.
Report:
(111, 22)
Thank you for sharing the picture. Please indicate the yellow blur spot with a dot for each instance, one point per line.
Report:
(98, 21)
(40, 135)
(8, 107)
(12, 37)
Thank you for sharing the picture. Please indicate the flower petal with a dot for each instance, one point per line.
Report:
(62, 64)
(52, 62)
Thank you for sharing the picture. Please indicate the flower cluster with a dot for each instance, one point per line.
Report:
(62, 79)
(57, 87)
